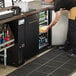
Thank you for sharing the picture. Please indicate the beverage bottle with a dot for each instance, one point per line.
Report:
(6, 34)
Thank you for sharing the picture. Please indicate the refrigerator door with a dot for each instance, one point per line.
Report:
(59, 31)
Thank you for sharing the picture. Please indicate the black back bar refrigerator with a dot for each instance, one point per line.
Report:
(16, 54)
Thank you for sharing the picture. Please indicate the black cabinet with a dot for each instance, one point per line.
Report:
(16, 54)
(25, 32)
(31, 35)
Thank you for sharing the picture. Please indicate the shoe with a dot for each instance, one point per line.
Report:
(71, 55)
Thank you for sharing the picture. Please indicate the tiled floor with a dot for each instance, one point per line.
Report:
(53, 63)
(9, 69)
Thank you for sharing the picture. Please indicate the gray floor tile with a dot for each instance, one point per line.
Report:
(40, 61)
(55, 64)
(24, 70)
(46, 69)
(69, 67)
(61, 72)
(62, 58)
(37, 74)
(72, 62)
(50, 54)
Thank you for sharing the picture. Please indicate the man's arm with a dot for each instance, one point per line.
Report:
(55, 20)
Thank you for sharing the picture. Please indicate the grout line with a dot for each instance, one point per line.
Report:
(35, 57)
(43, 64)
(58, 67)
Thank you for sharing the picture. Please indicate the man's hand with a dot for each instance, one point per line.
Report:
(43, 29)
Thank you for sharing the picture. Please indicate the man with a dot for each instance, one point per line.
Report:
(69, 5)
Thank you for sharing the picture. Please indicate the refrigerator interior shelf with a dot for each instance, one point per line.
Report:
(44, 21)
(43, 46)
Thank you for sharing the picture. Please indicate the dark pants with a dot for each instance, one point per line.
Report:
(70, 43)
